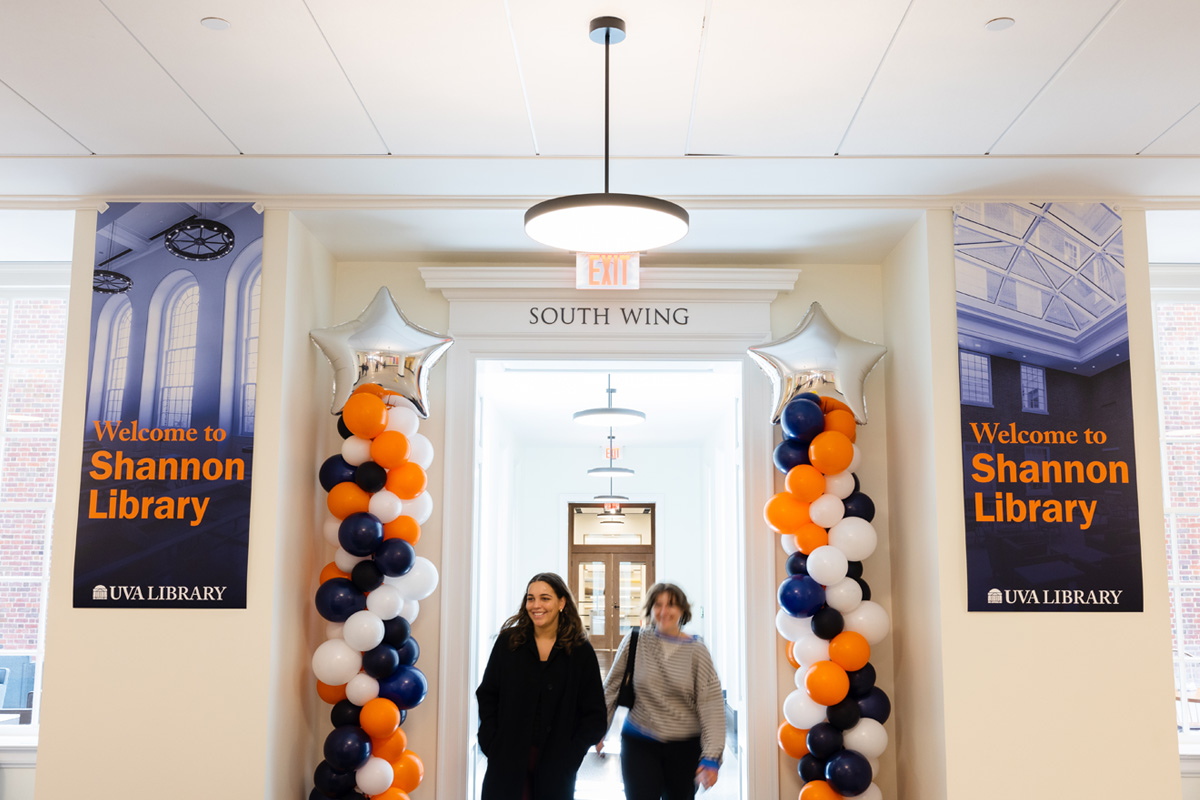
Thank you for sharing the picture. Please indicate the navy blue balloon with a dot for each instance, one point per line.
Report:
(858, 504)
(347, 747)
(343, 431)
(853, 569)
(344, 713)
(395, 557)
(844, 715)
(866, 590)
(360, 533)
(338, 598)
(381, 661)
(827, 622)
(876, 705)
(802, 419)
(366, 576)
(816, 398)
(823, 740)
(409, 652)
(811, 768)
(801, 596)
(335, 470)
(862, 681)
(848, 773)
(396, 631)
(406, 687)
(332, 782)
(370, 477)
(790, 453)
(797, 564)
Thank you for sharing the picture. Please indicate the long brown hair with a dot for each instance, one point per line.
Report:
(570, 626)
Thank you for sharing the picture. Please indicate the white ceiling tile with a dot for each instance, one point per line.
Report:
(1183, 138)
(950, 87)
(83, 71)
(270, 81)
(784, 78)
(1132, 81)
(26, 131)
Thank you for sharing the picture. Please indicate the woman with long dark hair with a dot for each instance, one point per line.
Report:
(541, 704)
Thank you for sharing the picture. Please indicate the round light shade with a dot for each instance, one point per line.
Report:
(608, 498)
(606, 223)
(609, 417)
(610, 472)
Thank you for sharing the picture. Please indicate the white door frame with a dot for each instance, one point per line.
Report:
(730, 310)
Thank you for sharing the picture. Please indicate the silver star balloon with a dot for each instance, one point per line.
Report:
(814, 354)
(382, 347)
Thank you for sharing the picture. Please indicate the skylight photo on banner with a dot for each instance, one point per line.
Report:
(164, 507)
(1049, 479)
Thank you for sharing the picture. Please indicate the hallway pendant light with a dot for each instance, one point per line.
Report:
(611, 497)
(606, 222)
(609, 417)
(610, 471)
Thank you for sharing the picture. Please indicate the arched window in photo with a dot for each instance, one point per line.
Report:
(248, 380)
(118, 362)
(179, 357)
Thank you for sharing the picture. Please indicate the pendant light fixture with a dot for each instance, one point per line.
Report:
(611, 497)
(609, 417)
(610, 471)
(606, 222)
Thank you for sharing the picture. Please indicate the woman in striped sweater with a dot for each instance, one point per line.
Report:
(675, 733)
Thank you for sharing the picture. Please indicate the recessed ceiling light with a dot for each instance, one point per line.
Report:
(218, 24)
(999, 24)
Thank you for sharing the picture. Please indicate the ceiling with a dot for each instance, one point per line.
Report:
(793, 131)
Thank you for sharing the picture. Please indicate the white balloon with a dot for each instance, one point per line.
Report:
(374, 777)
(799, 678)
(870, 620)
(356, 451)
(840, 484)
(856, 459)
(345, 561)
(416, 584)
(385, 505)
(336, 662)
(420, 450)
(362, 689)
(404, 420)
(396, 401)
(363, 631)
(801, 711)
(330, 531)
(873, 792)
(385, 601)
(419, 508)
(410, 611)
(788, 542)
(827, 565)
(874, 762)
(844, 596)
(855, 537)
(792, 628)
(827, 510)
(809, 649)
(867, 737)
(333, 630)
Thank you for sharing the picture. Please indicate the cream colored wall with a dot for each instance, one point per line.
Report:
(16, 783)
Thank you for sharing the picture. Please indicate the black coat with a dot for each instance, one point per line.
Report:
(575, 717)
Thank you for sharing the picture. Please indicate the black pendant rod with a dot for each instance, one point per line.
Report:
(607, 42)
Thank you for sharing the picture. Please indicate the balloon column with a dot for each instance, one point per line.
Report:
(833, 721)
(370, 593)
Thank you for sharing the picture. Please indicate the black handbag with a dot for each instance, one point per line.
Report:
(625, 694)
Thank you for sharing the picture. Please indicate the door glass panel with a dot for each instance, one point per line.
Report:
(590, 591)
(632, 593)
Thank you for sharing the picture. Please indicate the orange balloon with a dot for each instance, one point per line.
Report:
(831, 452)
(806, 482)
(389, 449)
(793, 741)
(390, 794)
(408, 771)
(379, 718)
(370, 388)
(810, 536)
(365, 415)
(331, 694)
(402, 527)
(407, 480)
(827, 683)
(391, 748)
(332, 570)
(346, 498)
(842, 422)
(818, 790)
(785, 512)
(791, 657)
(850, 650)
(828, 404)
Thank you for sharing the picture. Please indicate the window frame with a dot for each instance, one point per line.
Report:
(962, 395)
(177, 295)
(122, 316)
(1025, 407)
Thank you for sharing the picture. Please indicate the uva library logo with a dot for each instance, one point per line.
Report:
(1057, 597)
(197, 594)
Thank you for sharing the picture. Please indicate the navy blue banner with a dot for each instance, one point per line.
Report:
(1049, 476)
(164, 507)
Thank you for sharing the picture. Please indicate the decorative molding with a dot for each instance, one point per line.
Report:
(18, 756)
(723, 279)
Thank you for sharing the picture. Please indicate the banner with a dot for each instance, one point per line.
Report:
(1050, 482)
(168, 448)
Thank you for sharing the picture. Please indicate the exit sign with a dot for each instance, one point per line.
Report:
(606, 270)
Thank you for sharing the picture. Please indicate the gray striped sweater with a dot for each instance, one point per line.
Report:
(677, 691)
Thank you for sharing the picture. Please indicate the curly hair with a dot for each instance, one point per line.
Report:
(570, 627)
(678, 599)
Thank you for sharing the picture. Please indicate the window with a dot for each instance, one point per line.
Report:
(114, 380)
(33, 326)
(249, 381)
(1033, 389)
(975, 378)
(179, 358)
(1176, 293)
